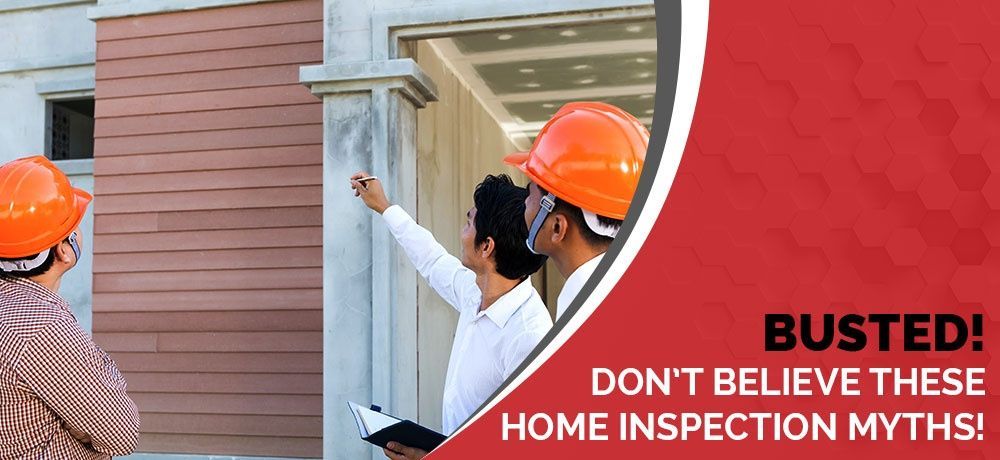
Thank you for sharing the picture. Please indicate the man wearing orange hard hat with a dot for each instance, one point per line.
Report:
(63, 397)
(584, 168)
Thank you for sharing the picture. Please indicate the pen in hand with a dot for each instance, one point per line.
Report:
(371, 193)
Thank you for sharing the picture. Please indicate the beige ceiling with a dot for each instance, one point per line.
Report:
(523, 76)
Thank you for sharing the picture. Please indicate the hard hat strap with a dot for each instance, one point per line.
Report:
(546, 205)
(75, 245)
(25, 265)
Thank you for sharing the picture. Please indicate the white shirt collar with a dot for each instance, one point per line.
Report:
(575, 282)
(507, 304)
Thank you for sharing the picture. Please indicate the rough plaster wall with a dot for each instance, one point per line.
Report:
(23, 115)
(458, 144)
(30, 35)
(46, 33)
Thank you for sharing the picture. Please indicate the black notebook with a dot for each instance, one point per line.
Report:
(381, 429)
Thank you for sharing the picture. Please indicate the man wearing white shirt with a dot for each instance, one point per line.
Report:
(575, 248)
(584, 168)
(575, 281)
(501, 316)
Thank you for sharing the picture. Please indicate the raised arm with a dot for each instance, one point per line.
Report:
(445, 273)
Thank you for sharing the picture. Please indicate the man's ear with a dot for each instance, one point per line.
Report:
(487, 247)
(560, 227)
(63, 252)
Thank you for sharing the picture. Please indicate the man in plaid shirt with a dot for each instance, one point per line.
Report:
(61, 397)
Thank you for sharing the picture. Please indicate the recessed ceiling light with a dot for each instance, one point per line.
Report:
(568, 33)
(504, 37)
(581, 67)
(649, 112)
(644, 74)
(643, 60)
(634, 28)
(645, 96)
(586, 81)
(526, 70)
(549, 105)
(531, 85)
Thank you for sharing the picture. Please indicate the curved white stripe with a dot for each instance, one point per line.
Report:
(694, 33)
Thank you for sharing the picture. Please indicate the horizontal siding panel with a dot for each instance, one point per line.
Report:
(211, 180)
(257, 117)
(245, 425)
(225, 259)
(268, 299)
(212, 140)
(209, 80)
(209, 239)
(210, 321)
(209, 220)
(276, 278)
(301, 447)
(211, 341)
(202, 101)
(257, 157)
(276, 34)
(274, 217)
(240, 341)
(125, 223)
(298, 53)
(209, 200)
(173, 403)
(126, 342)
(286, 12)
(306, 384)
(219, 362)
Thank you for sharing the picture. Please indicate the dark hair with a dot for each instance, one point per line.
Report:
(41, 269)
(576, 215)
(500, 215)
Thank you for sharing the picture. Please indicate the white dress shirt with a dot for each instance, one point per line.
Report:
(489, 345)
(575, 282)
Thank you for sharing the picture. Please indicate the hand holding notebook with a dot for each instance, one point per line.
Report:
(381, 429)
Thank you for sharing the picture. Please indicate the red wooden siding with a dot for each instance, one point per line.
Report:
(208, 226)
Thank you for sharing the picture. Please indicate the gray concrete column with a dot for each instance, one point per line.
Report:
(369, 302)
(347, 272)
(370, 291)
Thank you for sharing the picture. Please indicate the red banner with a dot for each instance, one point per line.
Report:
(842, 161)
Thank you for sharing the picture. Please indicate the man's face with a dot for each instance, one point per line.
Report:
(468, 237)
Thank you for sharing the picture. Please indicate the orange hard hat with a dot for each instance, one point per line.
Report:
(38, 207)
(589, 154)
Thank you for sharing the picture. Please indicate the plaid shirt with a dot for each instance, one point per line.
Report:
(61, 397)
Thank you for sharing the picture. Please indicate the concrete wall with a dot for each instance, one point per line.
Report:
(46, 46)
(36, 45)
(77, 285)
